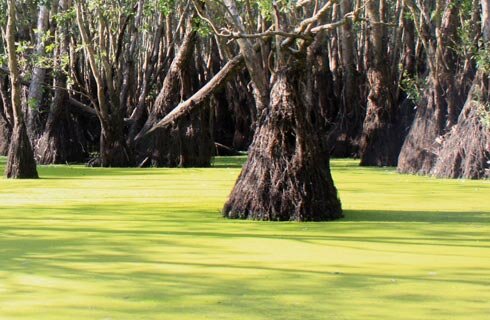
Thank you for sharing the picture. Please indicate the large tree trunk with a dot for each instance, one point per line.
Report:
(350, 116)
(286, 176)
(20, 161)
(441, 104)
(62, 140)
(465, 151)
(380, 141)
(188, 142)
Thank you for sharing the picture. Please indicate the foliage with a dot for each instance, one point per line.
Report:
(413, 86)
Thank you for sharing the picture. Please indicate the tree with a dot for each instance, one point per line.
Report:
(287, 175)
(442, 99)
(114, 151)
(20, 161)
(465, 151)
(61, 138)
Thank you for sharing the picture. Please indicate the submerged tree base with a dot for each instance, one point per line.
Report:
(287, 174)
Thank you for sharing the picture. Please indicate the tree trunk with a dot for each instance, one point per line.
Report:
(5, 134)
(5, 117)
(35, 97)
(350, 116)
(62, 140)
(439, 108)
(380, 141)
(20, 161)
(114, 151)
(189, 141)
(287, 176)
(465, 151)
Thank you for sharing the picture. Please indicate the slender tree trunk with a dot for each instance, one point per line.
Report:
(5, 133)
(20, 161)
(5, 117)
(36, 89)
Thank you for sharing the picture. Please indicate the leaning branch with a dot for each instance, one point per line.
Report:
(196, 101)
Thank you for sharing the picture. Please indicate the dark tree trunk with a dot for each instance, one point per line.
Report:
(5, 134)
(114, 151)
(189, 142)
(5, 117)
(442, 101)
(241, 109)
(465, 151)
(380, 141)
(62, 140)
(418, 153)
(325, 98)
(287, 176)
(345, 137)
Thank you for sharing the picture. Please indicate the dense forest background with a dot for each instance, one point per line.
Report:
(138, 83)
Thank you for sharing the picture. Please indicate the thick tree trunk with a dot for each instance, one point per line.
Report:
(62, 139)
(350, 116)
(188, 142)
(286, 176)
(20, 161)
(113, 148)
(441, 104)
(465, 151)
(380, 141)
